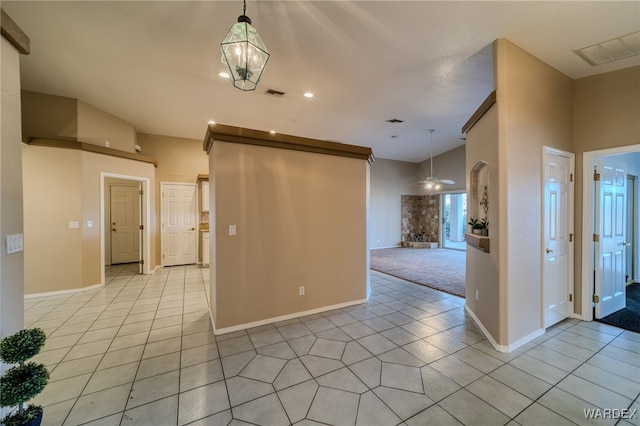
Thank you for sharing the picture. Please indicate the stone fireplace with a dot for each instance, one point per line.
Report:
(420, 217)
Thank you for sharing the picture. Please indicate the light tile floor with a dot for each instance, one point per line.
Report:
(141, 351)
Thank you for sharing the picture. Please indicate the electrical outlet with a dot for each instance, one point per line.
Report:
(301, 290)
(476, 294)
(232, 230)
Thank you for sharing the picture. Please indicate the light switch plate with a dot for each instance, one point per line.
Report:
(232, 230)
(15, 243)
(73, 224)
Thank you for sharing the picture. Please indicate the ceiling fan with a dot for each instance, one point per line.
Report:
(433, 183)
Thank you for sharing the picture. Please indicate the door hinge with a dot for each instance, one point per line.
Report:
(596, 176)
(142, 261)
(141, 192)
(571, 177)
(596, 238)
(570, 297)
(570, 238)
(596, 298)
(141, 227)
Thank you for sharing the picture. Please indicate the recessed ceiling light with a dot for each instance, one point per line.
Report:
(308, 95)
(224, 74)
(273, 132)
(211, 122)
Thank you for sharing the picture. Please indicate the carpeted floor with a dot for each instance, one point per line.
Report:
(441, 269)
(629, 317)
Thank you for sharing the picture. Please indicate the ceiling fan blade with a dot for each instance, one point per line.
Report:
(447, 181)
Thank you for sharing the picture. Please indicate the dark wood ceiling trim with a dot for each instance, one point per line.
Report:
(224, 133)
(14, 34)
(83, 146)
(482, 109)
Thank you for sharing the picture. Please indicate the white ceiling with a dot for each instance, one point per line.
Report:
(156, 64)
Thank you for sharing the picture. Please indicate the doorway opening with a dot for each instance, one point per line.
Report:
(454, 221)
(610, 213)
(124, 219)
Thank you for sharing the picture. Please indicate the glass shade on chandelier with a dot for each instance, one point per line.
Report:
(245, 54)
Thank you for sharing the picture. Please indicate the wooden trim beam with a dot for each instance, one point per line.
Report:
(83, 146)
(482, 109)
(14, 34)
(224, 133)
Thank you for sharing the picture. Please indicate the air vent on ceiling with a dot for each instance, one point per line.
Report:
(273, 92)
(617, 48)
(394, 120)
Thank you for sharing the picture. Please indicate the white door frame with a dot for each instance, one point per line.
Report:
(588, 201)
(146, 216)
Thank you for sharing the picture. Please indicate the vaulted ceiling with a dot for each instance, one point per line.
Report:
(427, 63)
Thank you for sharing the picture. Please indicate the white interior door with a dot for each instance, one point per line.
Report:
(125, 223)
(178, 224)
(557, 228)
(611, 211)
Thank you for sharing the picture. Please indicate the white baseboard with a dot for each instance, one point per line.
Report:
(245, 326)
(502, 348)
(61, 292)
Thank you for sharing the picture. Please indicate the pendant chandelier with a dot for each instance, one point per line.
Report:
(244, 53)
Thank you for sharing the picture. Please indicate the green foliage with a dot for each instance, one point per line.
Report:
(21, 383)
(478, 224)
(21, 346)
(32, 412)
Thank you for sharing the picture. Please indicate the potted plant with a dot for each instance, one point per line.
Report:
(476, 226)
(484, 223)
(25, 380)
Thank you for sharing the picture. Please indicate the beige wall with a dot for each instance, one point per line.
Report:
(301, 221)
(96, 126)
(606, 115)
(49, 116)
(57, 117)
(52, 197)
(62, 185)
(482, 272)
(389, 180)
(11, 222)
(179, 160)
(535, 108)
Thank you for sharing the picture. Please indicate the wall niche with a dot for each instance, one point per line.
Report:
(420, 216)
(479, 196)
(478, 205)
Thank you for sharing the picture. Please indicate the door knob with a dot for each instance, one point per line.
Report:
(625, 244)
(114, 229)
(193, 229)
(549, 250)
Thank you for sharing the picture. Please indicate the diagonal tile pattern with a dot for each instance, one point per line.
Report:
(141, 351)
